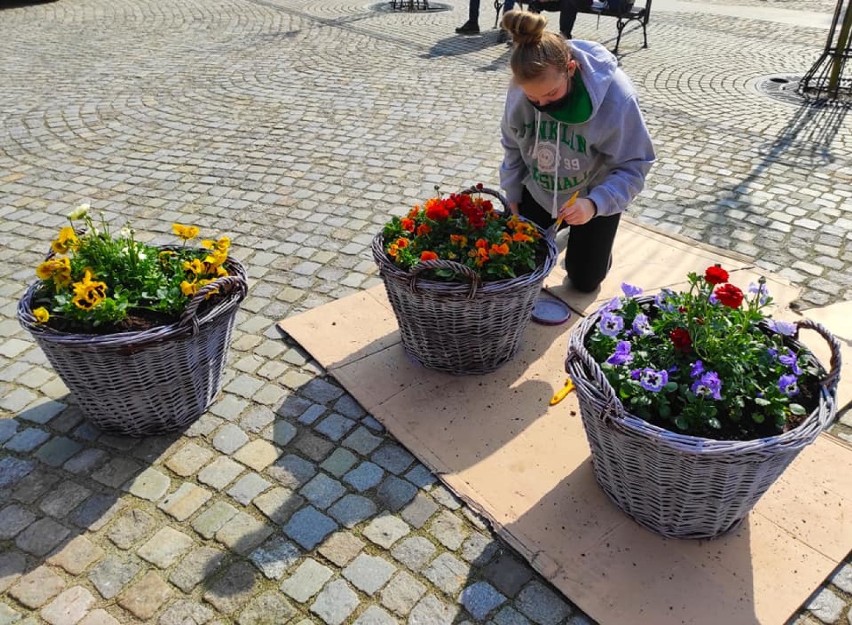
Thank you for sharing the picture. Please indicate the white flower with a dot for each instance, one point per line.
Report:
(125, 233)
(79, 212)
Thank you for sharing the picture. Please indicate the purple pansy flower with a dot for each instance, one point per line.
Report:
(641, 326)
(611, 324)
(782, 327)
(613, 304)
(621, 355)
(653, 380)
(709, 385)
(788, 384)
(696, 369)
(661, 300)
(713, 299)
(759, 289)
(630, 290)
(791, 361)
(635, 374)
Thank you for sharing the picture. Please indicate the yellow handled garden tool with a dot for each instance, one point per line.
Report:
(562, 392)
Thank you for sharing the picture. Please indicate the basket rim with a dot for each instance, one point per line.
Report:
(801, 435)
(133, 337)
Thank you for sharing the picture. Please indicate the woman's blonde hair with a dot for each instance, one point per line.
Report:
(536, 49)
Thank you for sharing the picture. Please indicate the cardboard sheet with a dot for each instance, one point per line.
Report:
(496, 442)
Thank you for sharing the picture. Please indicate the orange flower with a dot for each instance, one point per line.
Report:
(428, 255)
(402, 243)
(499, 250)
(481, 243)
(520, 237)
(407, 224)
(393, 250)
(423, 229)
(458, 239)
(413, 212)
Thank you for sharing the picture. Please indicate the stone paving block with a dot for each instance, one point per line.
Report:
(12, 566)
(196, 567)
(322, 491)
(14, 519)
(843, 578)
(185, 501)
(229, 407)
(449, 530)
(292, 471)
(352, 509)
(130, 527)
(335, 426)
(309, 527)
(13, 470)
(76, 555)
(86, 461)
(96, 512)
(480, 599)
(229, 592)
(445, 497)
(510, 616)
(279, 504)
(145, 597)
(269, 608)
(314, 412)
(314, 447)
(112, 574)
(307, 580)
(402, 593)
(374, 615)
(348, 407)
(220, 472)
(341, 547)
(37, 587)
(365, 476)
(57, 451)
(479, 549)
(214, 518)
(188, 459)
(242, 533)
(26, 440)
(447, 572)
(8, 427)
(508, 574)
(385, 530)
(275, 557)
(541, 605)
(164, 547)
(44, 412)
(34, 485)
(339, 462)
(419, 511)
(280, 433)
(827, 606)
(335, 603)
(41, 537)
(394, 493)
(17, 400)
(8, 616)
(229, 438)
(433, 611)
(321, 391)
(415, 552)
(99, 617)
(369, 573)
(257, 454)
(392, 458)
(248, 487)
(150, 485)
(372, 424)
(256, 418)
(116, 472)
(58, 502)
(186, 612)
(69, 607)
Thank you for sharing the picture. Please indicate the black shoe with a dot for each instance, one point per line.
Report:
(468, 28)
(504, 37)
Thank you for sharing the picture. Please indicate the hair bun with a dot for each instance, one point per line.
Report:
(525, 27)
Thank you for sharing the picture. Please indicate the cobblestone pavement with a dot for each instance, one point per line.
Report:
(296, 127)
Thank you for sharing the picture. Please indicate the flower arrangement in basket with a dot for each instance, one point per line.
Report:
(463, 228)
(138, 333)
(96, 282)
(695, 402)
(462, 278)
(706, 362)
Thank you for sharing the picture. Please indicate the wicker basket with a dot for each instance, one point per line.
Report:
(676, 485)
(461, 328)
(152, 381)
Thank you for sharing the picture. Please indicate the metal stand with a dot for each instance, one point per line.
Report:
(827, 79)
(410, 5)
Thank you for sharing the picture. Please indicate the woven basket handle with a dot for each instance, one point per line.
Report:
(226, 284)
(615, 408)
(829, 382)
(488, 191)
(464, 270)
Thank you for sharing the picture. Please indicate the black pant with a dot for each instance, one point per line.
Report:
(589, 251)
(567, 11)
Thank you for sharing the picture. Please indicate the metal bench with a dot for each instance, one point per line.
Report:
(635, 13)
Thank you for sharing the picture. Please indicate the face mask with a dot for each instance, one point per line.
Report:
(556, 105)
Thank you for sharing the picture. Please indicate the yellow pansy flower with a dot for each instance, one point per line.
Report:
(66, 240)
(185, 232)
(41, 314)
(195, 266)
(188, 288)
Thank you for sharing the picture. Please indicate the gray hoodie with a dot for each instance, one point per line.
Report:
(606, 157)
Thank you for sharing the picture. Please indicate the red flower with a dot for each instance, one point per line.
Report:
(437, 209)
(680, 338)
(729, 295)
(407, 224)
(716, 275)
(428, 255)
(423, 229)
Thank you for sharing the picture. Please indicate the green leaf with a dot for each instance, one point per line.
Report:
(797, 409)
(760, 401)
(671, 386)
(682, 423)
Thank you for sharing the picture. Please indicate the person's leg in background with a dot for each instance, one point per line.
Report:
(471, 26)
(588, 254)
(509, 5)
(568, 15)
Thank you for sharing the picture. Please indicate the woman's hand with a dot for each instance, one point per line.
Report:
(580, 212)
(513, 206)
